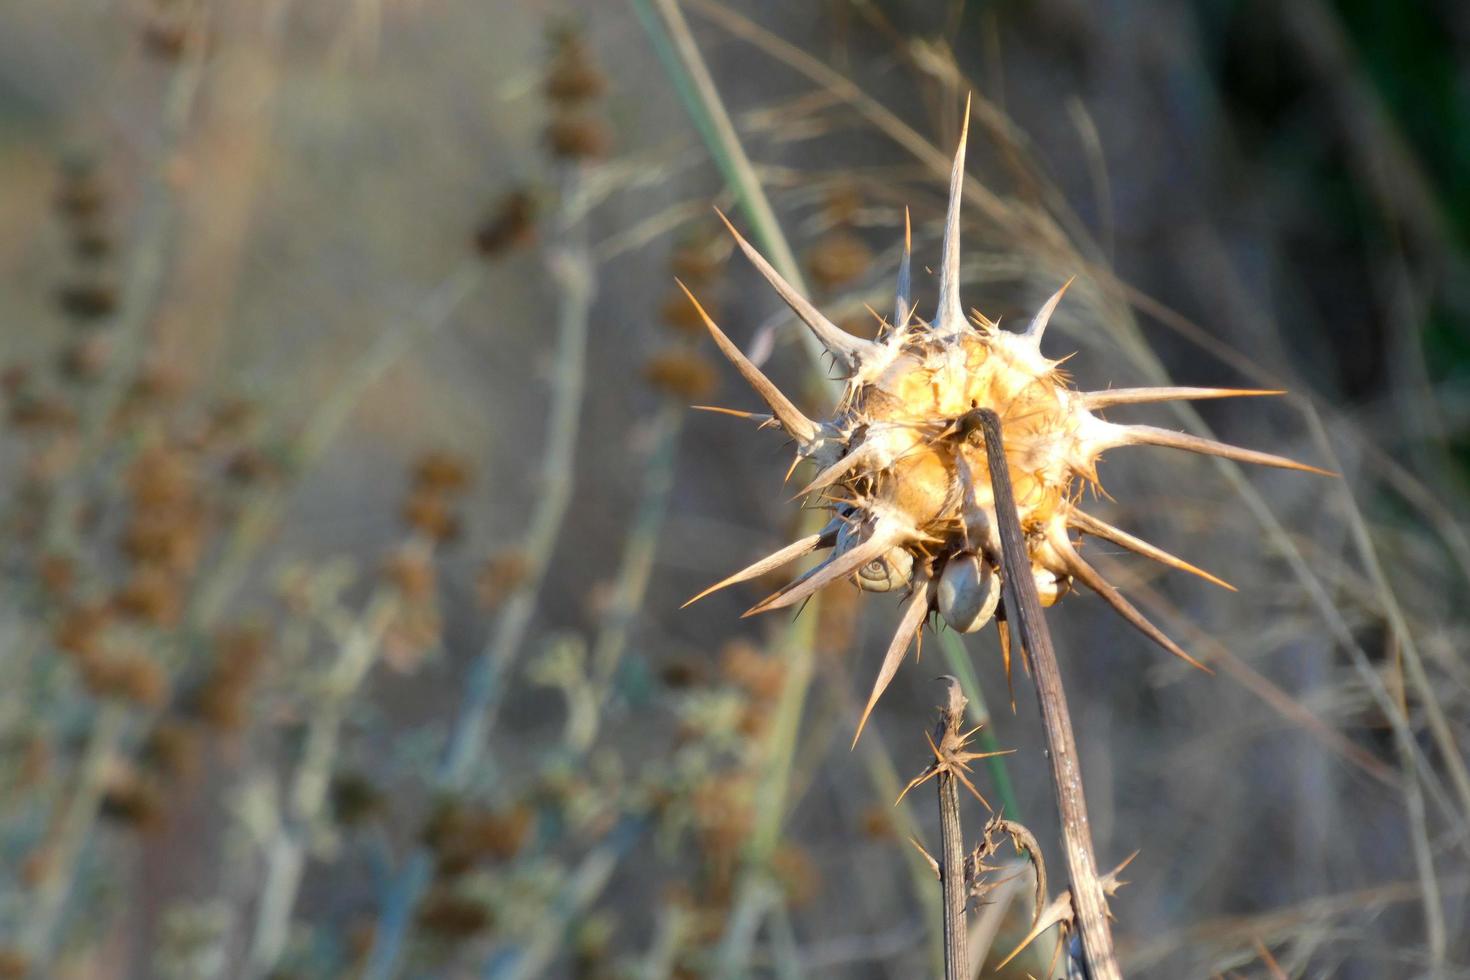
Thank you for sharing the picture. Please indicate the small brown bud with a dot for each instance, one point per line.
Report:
(90, 299)
(80, 628)
(681, 373)
(501, 575)
(173, 750)
(746, 667)
(441, 471)
(126, 676)
(511, 225)
(428, 512)
(151, 596)
(411, 573)
(838, 259)
(85, 358)
(354, 799)
(134, 800)
(454, 917)
(57, 574)
(578, 136)
(573, 75)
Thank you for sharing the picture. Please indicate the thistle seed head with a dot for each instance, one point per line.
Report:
(902, 466)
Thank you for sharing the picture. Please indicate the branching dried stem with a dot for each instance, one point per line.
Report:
(1023, 606)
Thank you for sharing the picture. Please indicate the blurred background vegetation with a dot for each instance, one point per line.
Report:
(351, 492)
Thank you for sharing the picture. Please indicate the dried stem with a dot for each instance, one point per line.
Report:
(1023, 607)
(952, 869)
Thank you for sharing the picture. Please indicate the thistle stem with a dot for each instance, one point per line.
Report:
(1023, 607)
(952, 869)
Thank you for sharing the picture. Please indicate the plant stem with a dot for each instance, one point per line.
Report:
(1023, 607)
(957, 658)
(952, 868)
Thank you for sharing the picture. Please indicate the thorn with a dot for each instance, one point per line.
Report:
(1148, 435)
(801, 428)
(770, 562)
(1139, 396)
(848, 351)
(910, 623)
(950, 317)
(1090, 577)
(1037, 327)
(737, 413)
(824, 574)
(903, 304)
(1091, 525)
(927, 856)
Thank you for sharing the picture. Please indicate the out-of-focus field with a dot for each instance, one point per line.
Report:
(351, 490)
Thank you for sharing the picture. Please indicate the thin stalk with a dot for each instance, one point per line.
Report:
(952, 835)
(1023, 607)
(70, 831)
(957, 658)
(358, 649)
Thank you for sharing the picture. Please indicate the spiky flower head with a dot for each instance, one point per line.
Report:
(905, 478)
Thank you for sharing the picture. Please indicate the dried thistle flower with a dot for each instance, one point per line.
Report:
(902, 468)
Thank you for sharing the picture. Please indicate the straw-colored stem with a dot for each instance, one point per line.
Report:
(357, 651)
(1023, 606)
(952, 838)
(69, 833)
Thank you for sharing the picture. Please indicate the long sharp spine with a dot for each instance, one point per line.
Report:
(1090, 577)
(847, 350)
(1137, 396)
(771, 562)
(909, 623)
(801, 428)
(903, 296)
(1101, 529)
(950, 318)
(1038, 323)
(1148, 435)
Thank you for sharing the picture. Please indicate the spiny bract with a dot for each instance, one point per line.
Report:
(908, 485)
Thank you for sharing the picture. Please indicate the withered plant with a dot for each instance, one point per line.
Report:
(909, 466)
